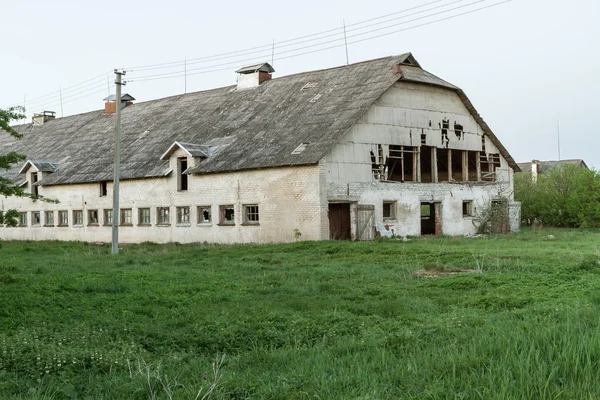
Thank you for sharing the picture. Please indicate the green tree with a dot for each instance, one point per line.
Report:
(566, 196)
(8, 187)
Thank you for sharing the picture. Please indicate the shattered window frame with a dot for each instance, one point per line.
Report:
(108, 216)
(36, 218)
(203, 211)
(227, 215)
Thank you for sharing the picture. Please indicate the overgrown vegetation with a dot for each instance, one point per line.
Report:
(566, 196)
(305, 320)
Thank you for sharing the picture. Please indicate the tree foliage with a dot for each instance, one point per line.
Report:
(8, 187)
(566, 196)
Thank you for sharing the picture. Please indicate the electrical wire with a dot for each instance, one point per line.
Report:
(297, 41)
(210, 68)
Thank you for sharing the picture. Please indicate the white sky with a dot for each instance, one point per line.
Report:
(525, 64)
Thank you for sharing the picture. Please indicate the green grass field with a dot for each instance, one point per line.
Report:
(306, 320)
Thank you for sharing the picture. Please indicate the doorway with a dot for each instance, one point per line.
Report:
(430, 219)
(339, 221)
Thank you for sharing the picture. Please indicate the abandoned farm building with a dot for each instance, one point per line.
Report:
(377, 147)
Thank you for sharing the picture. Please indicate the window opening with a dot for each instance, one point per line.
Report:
(251, 214)
(49, 218)
(63, 218)
(162, 216)
(36, 218)
(467, 208)
(204, 214)
(183, 178)
(77, 217)
(144, 216)
(389, 210)
(183, 215)
(103, 188)
(92, 217)
(108, 217)
(227, 216)
(126, 215)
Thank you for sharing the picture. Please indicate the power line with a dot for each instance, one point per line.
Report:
(210, 68)
(268, 46)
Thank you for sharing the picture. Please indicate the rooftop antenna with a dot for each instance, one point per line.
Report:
(185, 75)
(108, 84)
(24, 107)
(558, 136)
(346, 42)
(273, 54)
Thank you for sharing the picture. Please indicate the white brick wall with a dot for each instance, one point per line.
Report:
(288, 199)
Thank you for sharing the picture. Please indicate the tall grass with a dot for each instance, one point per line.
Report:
(305, 320)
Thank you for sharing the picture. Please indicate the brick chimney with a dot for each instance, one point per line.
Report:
(110, 103)
(42, 118)
(253, 76)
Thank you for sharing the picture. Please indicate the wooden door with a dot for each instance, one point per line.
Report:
(339, 221)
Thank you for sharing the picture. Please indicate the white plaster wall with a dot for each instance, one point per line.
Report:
(399, 117)
(289, 198)
(409, 196)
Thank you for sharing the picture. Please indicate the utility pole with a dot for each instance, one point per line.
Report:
(115, 221)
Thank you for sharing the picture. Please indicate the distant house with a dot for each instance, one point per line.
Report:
(377, 146)
(536, 167)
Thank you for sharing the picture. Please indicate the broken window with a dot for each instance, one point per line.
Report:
(126, 217)
(251, 214)
(77, 217)
(108, 217)
(489, 163)
(389, 210)
(445, 126)
(144, 216)
(23, 219)
(378, 164)
(458, 130)
(401, 163)
(103, 188)
(473, 161)
(227, 215)
(63, 218)
(36, 218)
(92, 217)
(426, 164)
(34, 179)
(181, 176)
(162, 216)
(467, 208)
(443, 165)
(183, 215)
(49, 218)
(204, 215)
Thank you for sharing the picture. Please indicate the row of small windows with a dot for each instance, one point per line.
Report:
(389, 209)
(163, 216)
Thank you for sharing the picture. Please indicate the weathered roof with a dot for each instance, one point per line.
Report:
(546, 166)
(42, 166)
(248, 129)
(191, 149)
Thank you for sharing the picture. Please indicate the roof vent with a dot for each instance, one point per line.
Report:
(42, 118)
(253, 76)
(110, 103)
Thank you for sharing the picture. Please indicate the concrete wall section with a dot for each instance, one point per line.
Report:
(288, 198)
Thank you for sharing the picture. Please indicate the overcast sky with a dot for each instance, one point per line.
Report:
(525, 64)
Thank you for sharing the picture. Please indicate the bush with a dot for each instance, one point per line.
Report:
(567, 196)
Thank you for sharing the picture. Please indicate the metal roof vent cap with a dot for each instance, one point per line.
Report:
(110, 103)
(253, 76)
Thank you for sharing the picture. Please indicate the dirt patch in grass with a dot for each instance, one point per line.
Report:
(440, 271)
